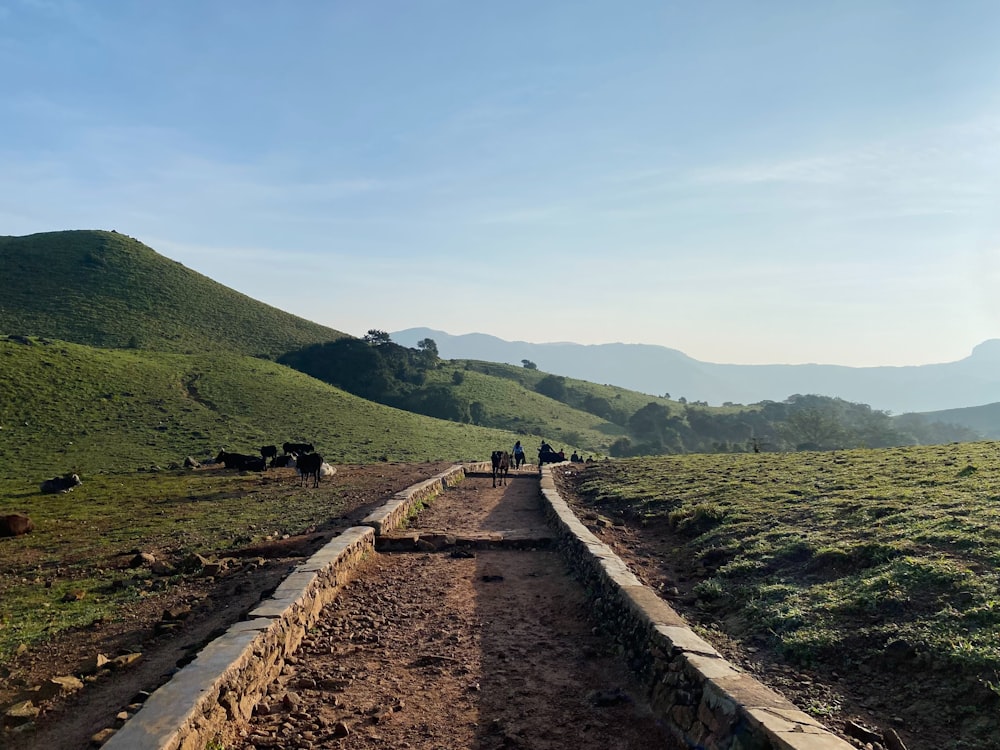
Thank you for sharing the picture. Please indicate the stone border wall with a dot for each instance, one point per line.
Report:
(231, 674)
(392, 515)
(704, 701)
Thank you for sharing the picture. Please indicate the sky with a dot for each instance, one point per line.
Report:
(767, 182)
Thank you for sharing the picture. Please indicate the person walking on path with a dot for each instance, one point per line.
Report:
(518, 455)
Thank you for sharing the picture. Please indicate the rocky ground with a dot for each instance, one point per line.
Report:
(462, 647)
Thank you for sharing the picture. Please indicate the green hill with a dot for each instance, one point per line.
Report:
(108, 290)
(67, 407)
(983, 419)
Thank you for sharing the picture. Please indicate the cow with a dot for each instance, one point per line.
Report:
(279, 462)
(64, 483)
(268, 451)
(297, 448)
(501, 466)
(240, 461)
(309, 465)
(548, 456)
(15, 524)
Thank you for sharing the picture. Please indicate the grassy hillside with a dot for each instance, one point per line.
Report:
(67, 407)
(109, 290)
(508, 404)
(620, 399)
(983, 419)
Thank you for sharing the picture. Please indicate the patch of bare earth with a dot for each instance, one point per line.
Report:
(209, 606)
(465, 647)
(876, 694)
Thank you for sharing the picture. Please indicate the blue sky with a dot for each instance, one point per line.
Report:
(748, 182)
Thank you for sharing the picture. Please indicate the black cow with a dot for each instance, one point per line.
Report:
(241, 461)
(297, 448)
(501, 466)
(309, 466)
(550, 457)
(268, 451)
(279, 462)
(64, 483)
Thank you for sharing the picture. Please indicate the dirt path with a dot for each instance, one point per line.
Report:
(488, 648)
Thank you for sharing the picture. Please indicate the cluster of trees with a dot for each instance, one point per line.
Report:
(376, 368)
(800, 422)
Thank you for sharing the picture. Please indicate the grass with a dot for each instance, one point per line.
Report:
(108, 290)
(834, 555)
(508, 404)
(121, 419)
(84, 540)
(67, 407)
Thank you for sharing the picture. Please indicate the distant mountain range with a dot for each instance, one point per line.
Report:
(657, 370)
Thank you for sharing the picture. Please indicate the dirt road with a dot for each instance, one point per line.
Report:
(462, 647)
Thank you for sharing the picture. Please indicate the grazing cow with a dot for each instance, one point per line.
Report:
(64, 483)
(268, 451)
(309, 465)
(501, 466)
(15, 524)
(297, 448)
(241, 461)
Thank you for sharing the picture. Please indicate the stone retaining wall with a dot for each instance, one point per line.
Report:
(392, 515)
(705, 701)
(231, 674)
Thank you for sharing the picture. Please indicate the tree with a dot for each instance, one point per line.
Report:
(621, 447)
(375, 337)
(650, 423)
(477, 411)
(553, 386)
(812, 428)
(528, 364)
(439, 401)
(428, 352)
(429, 346)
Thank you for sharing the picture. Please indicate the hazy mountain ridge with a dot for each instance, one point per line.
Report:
(657, 370)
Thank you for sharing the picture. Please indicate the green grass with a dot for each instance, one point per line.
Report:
(834, 555)
(106, 289)
(67, 407)
(508, 404)
(84, 540)
(621, 399)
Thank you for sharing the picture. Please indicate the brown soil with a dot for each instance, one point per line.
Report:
(464, 647)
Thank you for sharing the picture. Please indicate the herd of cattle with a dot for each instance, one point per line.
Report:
(299, 456)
